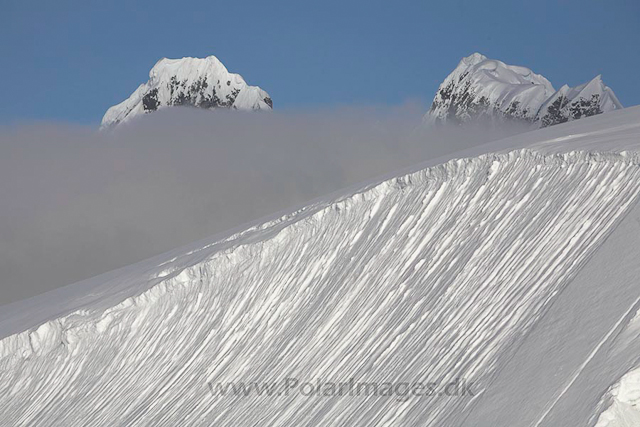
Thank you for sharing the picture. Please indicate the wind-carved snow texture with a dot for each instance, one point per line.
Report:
(197, 82)
(622, 400)
(623, 410)
(431, 276)
(486, 89)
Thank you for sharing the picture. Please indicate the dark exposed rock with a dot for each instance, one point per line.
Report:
(150, 101)
(555, 113)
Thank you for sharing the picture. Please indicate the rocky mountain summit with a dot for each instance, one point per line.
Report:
(197, 82)
(486, 89)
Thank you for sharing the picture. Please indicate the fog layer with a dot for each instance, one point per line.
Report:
(77, 202)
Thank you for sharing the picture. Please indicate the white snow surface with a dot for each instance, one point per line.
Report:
(512, 266)
(483, 88)
(201, 82)
(624, 410)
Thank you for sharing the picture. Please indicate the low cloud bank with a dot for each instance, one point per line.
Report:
(77, 202)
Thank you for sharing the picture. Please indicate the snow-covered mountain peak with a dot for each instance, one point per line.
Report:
(572, 103)
(480, 88)
(198, 82)
(477, 68)
(473, 59)
(477, 64)
(185, 66)
(483, 87)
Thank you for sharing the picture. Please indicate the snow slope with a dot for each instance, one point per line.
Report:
(512, 266)
(487, 89)
(199, 82)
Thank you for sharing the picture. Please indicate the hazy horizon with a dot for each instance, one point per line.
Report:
(79, 202)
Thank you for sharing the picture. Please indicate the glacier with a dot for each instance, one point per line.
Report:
(511, 265)
(485, 89)
(198, 82)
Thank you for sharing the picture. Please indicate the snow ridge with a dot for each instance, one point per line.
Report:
(429, 276)
(198, 82)
(486, 89)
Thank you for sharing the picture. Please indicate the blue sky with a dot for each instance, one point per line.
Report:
(70, 60)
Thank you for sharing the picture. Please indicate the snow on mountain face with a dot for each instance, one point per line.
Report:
(440, 274)
(581, 101)
(481, 88)
(199, 82)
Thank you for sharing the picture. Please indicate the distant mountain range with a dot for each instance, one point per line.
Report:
(486, 89)
(198, 82)
(478, 89)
